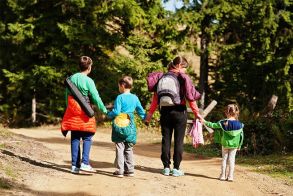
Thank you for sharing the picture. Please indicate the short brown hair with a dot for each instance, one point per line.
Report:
(126, 81)
(85, 62)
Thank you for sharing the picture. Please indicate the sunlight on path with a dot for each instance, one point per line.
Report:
(200, 175)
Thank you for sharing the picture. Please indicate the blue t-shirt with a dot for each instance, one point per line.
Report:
(127, 103)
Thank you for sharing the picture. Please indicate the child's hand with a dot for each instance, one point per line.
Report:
(146, 123)
(104, 116)
(147, 119)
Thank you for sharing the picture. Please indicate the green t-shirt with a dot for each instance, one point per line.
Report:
(88, 88)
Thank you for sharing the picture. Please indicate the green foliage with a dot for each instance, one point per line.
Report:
(249, 45)
(249, 49)
(247, 53)
(44, 39)
(255, 55)
(276, 165)
(265, 134)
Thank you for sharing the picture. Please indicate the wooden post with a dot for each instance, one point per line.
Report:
(209, 108)
(204, 113)
(34, 106)
(202, 98)
(268, 111)
(207, 111)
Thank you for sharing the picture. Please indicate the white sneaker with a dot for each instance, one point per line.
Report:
(130, 174)
(166, 171)
(230, 179)
(117, 174)
(222, 177)
(87, 168)
(177, 172)
(74, 170)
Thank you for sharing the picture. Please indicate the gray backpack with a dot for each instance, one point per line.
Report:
(168, 90)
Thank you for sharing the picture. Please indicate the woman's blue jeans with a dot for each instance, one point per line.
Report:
(75, 147)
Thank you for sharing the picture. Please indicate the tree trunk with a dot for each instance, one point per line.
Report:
(268, 111)
(204, 66)
(34, 106)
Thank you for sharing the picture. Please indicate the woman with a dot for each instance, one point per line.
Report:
(173, 112)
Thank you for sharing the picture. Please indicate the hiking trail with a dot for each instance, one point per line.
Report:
(43, 162)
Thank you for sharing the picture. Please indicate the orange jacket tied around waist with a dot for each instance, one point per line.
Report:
(75, 119)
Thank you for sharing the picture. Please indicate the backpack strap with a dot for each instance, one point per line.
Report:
(82, 101)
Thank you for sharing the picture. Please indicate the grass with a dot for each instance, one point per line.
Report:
(4, 184)
(276, 165)
(10, 172)
(205, 151)
(2, 146)
(4, 133)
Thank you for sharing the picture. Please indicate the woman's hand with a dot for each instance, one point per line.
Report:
(200, 118)
(147, 119)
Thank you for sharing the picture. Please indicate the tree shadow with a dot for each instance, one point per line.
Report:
(105, 173)
(97, 164)
(100, 165)
(148, 169)
(158, 171)
(68, 167)
(57, 193)
(152, 150)
(36, 163)
(21, 189)
(200, 176)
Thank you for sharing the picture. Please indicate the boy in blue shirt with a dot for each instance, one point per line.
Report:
(123, 126)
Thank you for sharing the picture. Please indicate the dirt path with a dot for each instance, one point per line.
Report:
(50, 174)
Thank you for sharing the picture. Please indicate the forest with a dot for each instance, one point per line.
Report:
(245, 50)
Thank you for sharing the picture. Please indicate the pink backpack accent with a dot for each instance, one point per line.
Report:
(152, 80)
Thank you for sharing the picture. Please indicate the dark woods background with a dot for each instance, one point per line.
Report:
(245, 49)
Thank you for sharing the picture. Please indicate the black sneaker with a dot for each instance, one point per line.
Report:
(131, 174)
(117, 174)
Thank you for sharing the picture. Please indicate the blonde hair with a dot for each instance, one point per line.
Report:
(126, 81)
(232, 110)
